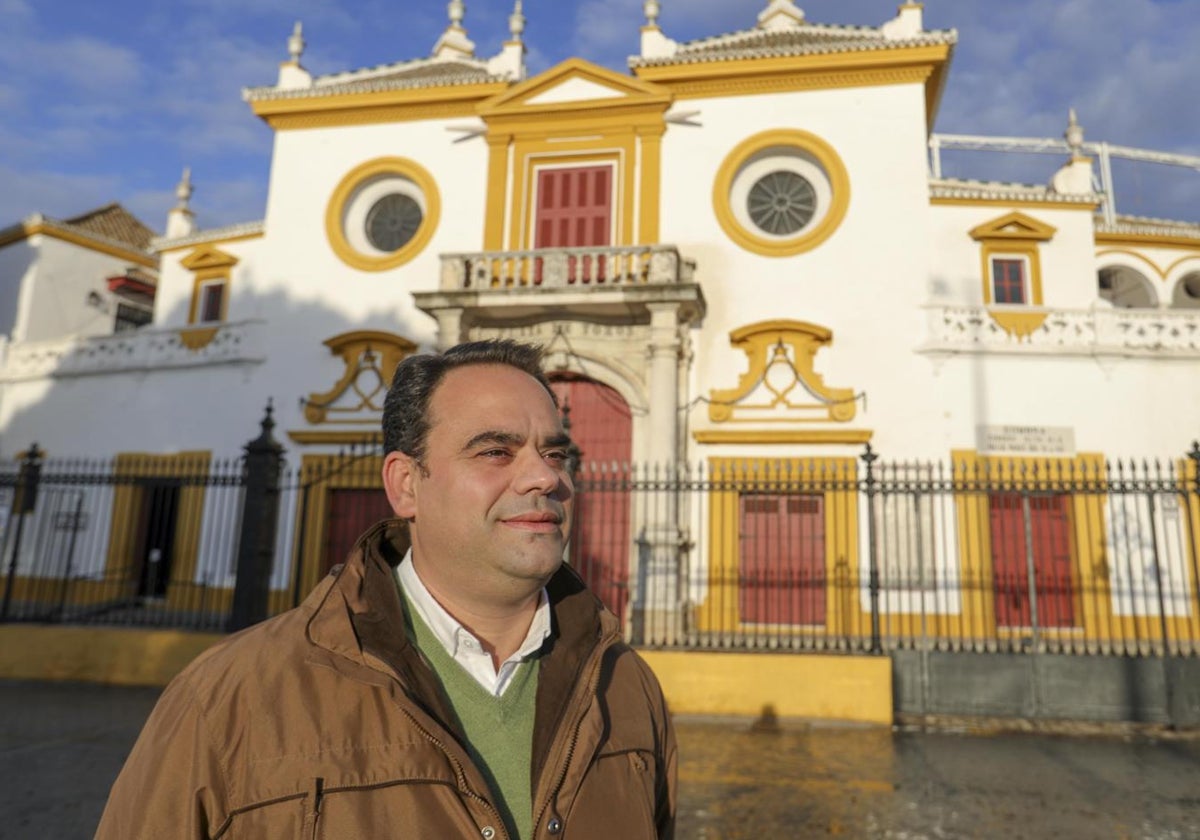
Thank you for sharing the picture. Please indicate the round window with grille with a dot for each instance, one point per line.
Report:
(781, 192)
(382, 214)
(393, 221)
(782, 202)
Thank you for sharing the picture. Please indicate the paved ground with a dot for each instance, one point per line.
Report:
(61, 745)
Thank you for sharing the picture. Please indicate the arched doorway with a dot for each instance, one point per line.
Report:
(601, 425)
(1126, 288)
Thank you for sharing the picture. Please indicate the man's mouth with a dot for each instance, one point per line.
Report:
(535, 521)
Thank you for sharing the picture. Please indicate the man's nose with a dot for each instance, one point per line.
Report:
(535, 475)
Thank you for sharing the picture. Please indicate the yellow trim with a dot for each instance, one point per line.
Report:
(830, 162)
(1013, 234)
(1050, 204)
(1018, 324)
(781, 436)
(719, 611)
(629, 90)
(523, 135)
(128, 498)
(375, 106)
(497, 191)
(319, 474)
(199, 281)
(846, 688)
(335, 212)
(351, 346)
(1013, 227)
(99, 654)
(1089, 554)
(1191, 243)
(213, 243)
(865, 68)
(1163, 273)
(764, 344)
(26, 230)
(335, 437)
(207, 264)
(199, 338)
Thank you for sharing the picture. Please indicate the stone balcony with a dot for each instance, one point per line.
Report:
(603, 283)
(137, 350)
(1101, 331)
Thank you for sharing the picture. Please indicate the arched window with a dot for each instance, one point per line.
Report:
(1187, 291)
(1126, 288)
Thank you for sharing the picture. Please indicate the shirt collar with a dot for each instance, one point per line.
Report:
(450, 632)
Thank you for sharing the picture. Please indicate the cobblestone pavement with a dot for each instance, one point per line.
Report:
(61, 745)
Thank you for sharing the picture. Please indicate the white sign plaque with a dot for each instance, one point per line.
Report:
(1029, 440)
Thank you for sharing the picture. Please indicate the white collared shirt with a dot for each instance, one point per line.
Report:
(462, 645)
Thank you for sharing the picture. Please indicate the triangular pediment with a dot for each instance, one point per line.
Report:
(575, 82)
(1015, 225)
(206, 257)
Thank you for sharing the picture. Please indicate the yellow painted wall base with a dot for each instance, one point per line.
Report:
(841, 688)
(838, 688)
(94, 654)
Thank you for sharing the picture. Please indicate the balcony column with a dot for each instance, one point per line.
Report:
(450, 328)
(656, 606)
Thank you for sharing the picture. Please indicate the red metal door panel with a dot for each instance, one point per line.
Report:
(782, 538)
(602, 428)
(574, 210)
(1050, 539)
(351, 512)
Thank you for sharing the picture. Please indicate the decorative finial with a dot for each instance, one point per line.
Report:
(296, 42)
(457, 11)
(516, 21)
(183, 190)
(651, 9)
(1074, 133)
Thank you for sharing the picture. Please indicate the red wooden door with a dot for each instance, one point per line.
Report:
(601, 426)
(782, 570)
(574, 210)
(1051, 542)
(351, 512)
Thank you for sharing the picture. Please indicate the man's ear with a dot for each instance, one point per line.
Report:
(399, 481)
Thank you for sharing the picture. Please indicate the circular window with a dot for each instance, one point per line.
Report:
(393, 221)
(782, 202)
(382, 214)
(781, 193)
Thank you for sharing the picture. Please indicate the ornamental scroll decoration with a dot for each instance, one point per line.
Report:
(370, 357)
(780, 384)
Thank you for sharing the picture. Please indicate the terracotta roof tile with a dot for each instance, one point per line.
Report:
(113, 222)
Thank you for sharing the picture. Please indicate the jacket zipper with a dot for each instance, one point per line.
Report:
(463, 786)
(590, 690)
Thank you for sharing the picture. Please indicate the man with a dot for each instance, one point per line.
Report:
(471, 687)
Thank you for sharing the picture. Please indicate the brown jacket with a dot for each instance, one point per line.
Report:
(325, 722)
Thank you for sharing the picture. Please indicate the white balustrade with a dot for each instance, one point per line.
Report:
(1092, 332)
(565, 268)
(136, 350)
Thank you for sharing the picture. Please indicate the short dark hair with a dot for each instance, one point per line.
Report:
(406, 407)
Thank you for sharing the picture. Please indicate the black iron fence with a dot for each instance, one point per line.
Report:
(1075, 555)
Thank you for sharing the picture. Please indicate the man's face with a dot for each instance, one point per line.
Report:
(491, 511)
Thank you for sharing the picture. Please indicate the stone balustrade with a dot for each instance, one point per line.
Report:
(1089, 332)
(136, 350)
(566, 268)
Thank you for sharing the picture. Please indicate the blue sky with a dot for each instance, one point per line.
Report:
(107, 102)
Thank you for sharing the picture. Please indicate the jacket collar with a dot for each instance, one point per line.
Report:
(365, 592)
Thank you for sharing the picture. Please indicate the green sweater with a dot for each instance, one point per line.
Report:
(499, 730)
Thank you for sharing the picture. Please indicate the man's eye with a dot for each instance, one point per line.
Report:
(556, 455)
(494, 453)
